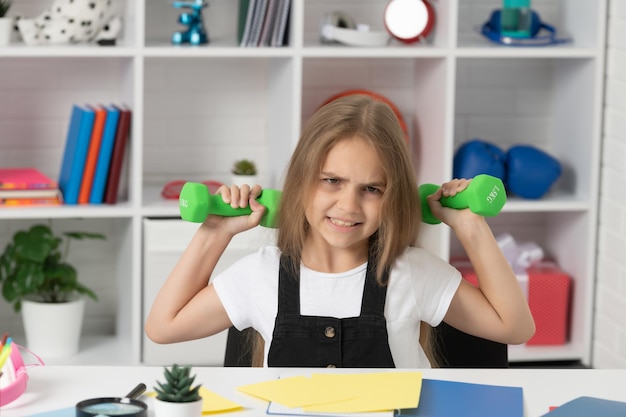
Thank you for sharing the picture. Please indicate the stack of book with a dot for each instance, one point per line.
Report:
(94, 154)
(26, 186)
(263, 23)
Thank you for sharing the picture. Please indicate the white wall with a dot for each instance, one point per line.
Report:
(609, 347)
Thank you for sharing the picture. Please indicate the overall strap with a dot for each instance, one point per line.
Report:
(288, 289)
(374, 295)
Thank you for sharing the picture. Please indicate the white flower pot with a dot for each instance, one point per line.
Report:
(6, 29)
(53, 329)
(245, 179)
(168, 409)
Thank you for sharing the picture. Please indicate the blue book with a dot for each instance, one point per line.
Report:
(75, 154)
(104, 156)
(450, 398)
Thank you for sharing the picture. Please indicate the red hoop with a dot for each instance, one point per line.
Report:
(379, 97)
(171, 190)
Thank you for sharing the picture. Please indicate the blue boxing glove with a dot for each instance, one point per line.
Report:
(479, 157)
(531, 171)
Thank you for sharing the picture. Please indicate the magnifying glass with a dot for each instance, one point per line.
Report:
(127, 406)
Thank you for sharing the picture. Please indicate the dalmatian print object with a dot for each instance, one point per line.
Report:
(71, 22)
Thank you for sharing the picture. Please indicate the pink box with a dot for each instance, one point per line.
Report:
(549, 295)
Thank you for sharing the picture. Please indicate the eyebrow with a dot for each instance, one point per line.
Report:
(369, 184)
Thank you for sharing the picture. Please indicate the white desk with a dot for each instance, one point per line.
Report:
(56, 387)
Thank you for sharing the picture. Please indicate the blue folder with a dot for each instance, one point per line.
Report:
(449, 398)
(589, 407)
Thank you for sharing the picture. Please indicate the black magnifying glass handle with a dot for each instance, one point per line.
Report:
(137, 391)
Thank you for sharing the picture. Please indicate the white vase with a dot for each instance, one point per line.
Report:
(169, 409)
(53, 329)
(6, 29)
(240, 180)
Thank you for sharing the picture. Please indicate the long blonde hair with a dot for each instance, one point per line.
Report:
(375, 122)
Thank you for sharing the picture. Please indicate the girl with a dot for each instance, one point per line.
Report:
(344, 286)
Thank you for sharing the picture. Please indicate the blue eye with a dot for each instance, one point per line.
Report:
(374, 190)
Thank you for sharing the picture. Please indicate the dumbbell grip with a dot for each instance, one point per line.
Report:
(485, 196)
(196, 203)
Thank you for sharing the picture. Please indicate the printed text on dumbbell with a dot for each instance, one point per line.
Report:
(493, 194)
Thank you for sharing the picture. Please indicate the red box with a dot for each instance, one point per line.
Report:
(549, 294)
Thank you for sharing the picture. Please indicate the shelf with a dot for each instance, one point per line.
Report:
(120, 210)
(101, 350)
(523, 353)
(198, 108)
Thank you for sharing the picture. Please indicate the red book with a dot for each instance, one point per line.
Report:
(25, 179)
(92, 155)
(117, 158)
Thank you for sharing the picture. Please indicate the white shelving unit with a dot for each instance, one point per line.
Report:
(197, 109)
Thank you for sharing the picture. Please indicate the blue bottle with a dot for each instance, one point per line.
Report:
(515, 18)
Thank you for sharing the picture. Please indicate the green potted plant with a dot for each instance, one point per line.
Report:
(244, 172)
(40, 283)
(177, 396)
(6, 23)
(5, 5)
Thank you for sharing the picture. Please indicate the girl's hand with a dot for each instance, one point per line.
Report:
(238, 197)
(449, 216)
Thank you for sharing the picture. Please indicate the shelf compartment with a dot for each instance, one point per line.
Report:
(36, 99)
(220, 21)
(546, 103)
(103, 266)
(581, 21)
(203, 114)
(567, 239)
(416, 87)
(371, 13)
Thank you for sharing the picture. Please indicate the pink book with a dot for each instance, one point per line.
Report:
(24, 179)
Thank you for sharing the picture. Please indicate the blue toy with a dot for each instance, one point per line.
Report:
(479, 157)
(195, 33)
(531, 171)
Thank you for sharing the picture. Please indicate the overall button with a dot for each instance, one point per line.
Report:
(329, 332)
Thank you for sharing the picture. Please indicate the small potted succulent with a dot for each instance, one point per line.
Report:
(244, 172)
(6, 22)
(177, 396)
(37, 279)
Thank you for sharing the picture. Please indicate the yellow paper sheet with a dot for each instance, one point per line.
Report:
(378, 391)
(355, 392)
(211, 402)
(297, 391)
(214, 403)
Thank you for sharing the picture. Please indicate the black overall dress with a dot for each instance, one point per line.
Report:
(310, 341)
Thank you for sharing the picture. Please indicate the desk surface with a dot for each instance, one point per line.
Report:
(57, 387)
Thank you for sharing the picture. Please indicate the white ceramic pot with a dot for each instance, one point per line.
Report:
(6, 29)
(53, 329)
(168, 409)
(245, 179)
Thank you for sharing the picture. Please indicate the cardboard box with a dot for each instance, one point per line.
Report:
(548, 290)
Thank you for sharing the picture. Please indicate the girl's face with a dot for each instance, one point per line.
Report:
(345, 208)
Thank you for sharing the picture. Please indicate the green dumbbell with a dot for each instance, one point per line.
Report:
(196, 203)
(485, 195)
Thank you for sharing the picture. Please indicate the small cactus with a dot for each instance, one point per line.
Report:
(178, 386)
(244, 167)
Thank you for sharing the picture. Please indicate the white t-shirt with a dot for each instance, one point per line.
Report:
(421, 287)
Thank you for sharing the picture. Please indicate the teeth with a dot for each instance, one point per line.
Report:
(341, 223)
